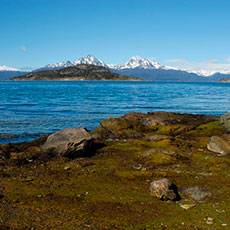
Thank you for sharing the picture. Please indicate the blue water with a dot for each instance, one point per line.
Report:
(31, 109)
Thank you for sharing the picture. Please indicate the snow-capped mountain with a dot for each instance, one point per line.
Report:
(208, 73)
(138, 62)
(63, 64)
(133, 63)
(144, 68)
(6, 68)
(8, 72)
(88, 59)
(91, 60)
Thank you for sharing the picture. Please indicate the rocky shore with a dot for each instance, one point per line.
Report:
(141, 171)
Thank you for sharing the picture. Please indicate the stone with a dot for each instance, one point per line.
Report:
(187, 206)
(225, 122)
(163, 190)
(71, 143)
(209, 220)
(219, 145)
(115, 124)
(196, 193)
(156, 137)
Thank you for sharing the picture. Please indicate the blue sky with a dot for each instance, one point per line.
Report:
(175, 32)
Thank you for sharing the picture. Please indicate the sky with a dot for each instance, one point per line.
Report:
(187, 34)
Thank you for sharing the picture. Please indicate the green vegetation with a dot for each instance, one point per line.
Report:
(110, 190)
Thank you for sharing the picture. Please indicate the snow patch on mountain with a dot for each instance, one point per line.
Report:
(138, 62)
(91, 60)
(208, 73)
(63, 64)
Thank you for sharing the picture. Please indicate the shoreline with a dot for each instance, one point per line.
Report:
(112, 170)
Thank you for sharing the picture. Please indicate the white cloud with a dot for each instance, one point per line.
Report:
(209, 65)
(23, 48)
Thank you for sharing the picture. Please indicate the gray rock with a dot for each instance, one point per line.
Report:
(197, 193)
(220, 145)
(71, 143)
(225, 122)
(163, 189)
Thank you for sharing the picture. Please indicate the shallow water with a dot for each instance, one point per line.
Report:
(31, 109)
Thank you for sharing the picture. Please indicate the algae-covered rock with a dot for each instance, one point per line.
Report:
(168, 118)
(225, 122)
(163, 189)
(115, 124)
(219, 145)
(69, 142)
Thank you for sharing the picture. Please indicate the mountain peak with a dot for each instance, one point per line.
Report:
(91, 60)
(139, 62)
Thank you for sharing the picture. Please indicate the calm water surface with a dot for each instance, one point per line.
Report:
(31, 109)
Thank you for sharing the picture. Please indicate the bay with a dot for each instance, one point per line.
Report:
(31, 109)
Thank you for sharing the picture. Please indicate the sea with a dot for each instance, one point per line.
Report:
(29, 110)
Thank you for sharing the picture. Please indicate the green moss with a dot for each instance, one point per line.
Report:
(208, 129)
(132, 174)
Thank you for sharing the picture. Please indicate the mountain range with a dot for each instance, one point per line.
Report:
(135, 67)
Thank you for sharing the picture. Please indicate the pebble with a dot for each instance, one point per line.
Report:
(209, 220)
(187, 206)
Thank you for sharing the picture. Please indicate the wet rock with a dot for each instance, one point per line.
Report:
(71, 143)
(164, 190)
(219, 145)
(225, 122)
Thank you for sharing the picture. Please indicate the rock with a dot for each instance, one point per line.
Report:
(219, 145)
(159, 150)
(187, 206)
(164, 190)
(71, 143)
(115, 124)
(168, 118)
(156, 137)
(225, 122)
(209, 220)
(196, 193)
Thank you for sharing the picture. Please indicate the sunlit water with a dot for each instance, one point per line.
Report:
(31, 109)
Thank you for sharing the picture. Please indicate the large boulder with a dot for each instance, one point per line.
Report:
(164, 190)
(71, 143)
(225, 122)
(219, 144)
